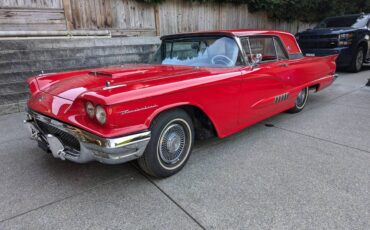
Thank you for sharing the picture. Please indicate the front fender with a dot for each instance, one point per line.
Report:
(164, 108)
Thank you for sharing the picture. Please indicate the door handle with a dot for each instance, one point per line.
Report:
(283, 65)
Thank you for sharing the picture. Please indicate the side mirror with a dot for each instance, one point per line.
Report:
(257, 58)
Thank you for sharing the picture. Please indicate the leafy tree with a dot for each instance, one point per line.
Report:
(303, 10)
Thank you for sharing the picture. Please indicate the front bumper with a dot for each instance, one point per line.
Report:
(343, 60)
(68, 142)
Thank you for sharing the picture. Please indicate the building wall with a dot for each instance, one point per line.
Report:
(20, 59)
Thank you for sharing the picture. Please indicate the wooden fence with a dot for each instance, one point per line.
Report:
(130, 17)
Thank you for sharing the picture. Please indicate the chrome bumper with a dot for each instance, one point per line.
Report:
(91, 147)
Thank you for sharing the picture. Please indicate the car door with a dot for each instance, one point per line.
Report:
(264, 90)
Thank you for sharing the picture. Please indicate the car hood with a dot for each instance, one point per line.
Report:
(107, 82)
(327, 31)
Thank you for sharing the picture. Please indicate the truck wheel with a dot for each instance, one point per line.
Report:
(172, 139)
(300, 102)
(357, 60)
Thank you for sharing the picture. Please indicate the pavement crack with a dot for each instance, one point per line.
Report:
(169, 197)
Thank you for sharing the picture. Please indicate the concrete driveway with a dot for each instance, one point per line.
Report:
(309, 171)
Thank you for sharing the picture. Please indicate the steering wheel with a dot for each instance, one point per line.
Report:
(221, 59)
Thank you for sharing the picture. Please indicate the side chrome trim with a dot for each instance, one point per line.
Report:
(335, 76)
(108, 87)
(281, 98)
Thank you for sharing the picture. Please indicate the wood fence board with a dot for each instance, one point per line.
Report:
(32, 19)
(54, 4)
(172, 16)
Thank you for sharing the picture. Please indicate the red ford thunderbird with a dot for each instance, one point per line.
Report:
(197, 85)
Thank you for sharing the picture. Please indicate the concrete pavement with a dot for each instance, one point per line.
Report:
(309, 171)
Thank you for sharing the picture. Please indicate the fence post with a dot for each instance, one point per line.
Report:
(157, 20)
(68, 14)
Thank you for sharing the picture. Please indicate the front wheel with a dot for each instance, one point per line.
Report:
(300, 102)
(357, 61)
(172, 139)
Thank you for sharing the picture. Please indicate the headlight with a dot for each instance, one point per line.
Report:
(101, 115)
(345, 36)
(345, 39)
(90, 109)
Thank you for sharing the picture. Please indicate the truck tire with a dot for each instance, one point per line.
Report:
(357, 60)
(170, 146)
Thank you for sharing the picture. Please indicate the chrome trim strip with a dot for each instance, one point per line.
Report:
(114, 86)
(281, 98)
(335, 76)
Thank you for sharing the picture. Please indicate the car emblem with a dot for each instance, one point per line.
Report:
(127, 111)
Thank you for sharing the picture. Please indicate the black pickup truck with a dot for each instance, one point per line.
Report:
(348, 36)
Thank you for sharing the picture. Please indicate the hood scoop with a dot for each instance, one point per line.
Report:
(117, 74)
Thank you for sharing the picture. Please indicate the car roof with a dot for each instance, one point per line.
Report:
(231, 33)
(286, 37)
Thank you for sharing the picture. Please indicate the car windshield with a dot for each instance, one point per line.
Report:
(354, 21)
(199, 51)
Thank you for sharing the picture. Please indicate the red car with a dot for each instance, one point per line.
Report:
(198, 85)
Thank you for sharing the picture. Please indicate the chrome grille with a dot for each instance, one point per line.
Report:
(68, 140)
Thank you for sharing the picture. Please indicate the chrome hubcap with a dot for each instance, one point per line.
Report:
(172, 144)
(301, 99)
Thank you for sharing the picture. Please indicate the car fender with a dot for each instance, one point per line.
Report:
(167, 107)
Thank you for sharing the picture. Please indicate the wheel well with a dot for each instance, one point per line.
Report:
(203, 126)
(314, 87)
(364, 44)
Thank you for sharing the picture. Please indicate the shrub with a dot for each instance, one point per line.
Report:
(303, 10)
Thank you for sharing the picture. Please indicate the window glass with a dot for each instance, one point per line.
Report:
(199, 51)
(259, 45)
(280, 50)
(355, 21)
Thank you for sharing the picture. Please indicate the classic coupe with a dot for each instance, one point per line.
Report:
(198, 85)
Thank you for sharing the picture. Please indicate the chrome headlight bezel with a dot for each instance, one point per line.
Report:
(100, 114)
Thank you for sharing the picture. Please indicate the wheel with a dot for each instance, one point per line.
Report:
(172, 139)
(300, 102)
(357, 61)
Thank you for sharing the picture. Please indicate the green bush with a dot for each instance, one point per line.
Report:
(303, 10)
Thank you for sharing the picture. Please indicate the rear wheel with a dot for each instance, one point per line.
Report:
(172, 139)
(300, 102)
(357, 60)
